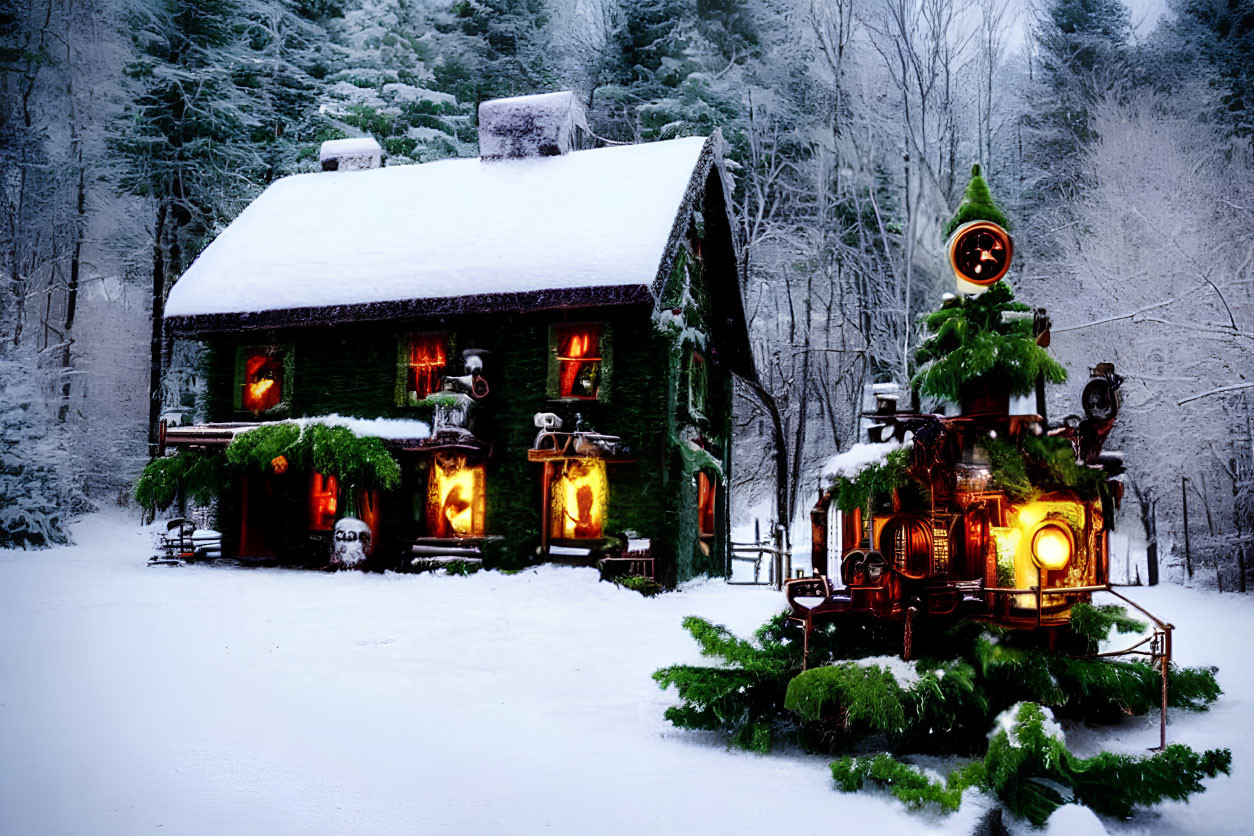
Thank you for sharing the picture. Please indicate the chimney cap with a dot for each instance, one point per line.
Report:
(353, 154)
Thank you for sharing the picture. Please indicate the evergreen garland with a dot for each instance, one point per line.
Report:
(201, 473)
(875, 482)
(977, 205)
(971, 341)
(355, 461)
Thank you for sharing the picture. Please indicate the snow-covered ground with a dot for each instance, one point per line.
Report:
(215, 700)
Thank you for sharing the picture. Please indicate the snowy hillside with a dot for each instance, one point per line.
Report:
(215, 700)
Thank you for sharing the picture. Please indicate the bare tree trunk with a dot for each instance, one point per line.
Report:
(158, 317)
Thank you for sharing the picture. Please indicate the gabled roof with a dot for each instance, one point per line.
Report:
(589, 227)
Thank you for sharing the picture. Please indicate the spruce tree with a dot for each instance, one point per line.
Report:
(185, 143)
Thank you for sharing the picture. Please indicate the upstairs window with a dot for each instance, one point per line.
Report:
(422, 361)
(579, 360)
(698, 385)
(260, 378)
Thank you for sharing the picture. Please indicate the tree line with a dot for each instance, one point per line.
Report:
(134, 130)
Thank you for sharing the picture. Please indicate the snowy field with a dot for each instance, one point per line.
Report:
(215, 700)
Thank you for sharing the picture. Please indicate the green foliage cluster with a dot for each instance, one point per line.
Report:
(758, 692)
(1039, 464)
(906, 782)
(972, 342)
(1095, 623)
(644, 585)
(977, 205)
(876, 482)
(867, 695)
(357, 461)
(200, 473)
(1033, 773)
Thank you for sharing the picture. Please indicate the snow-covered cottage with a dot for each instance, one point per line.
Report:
(544, 337)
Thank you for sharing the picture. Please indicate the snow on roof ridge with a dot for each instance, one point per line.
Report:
(387, 428)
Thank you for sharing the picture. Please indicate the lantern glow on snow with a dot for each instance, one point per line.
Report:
(980, 253)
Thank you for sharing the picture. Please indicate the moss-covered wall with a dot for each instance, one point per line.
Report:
(352, 370)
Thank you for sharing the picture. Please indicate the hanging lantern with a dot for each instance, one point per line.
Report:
(279, 465)
(980, 253)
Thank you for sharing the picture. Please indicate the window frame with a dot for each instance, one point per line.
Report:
(287, 357)
(605, 346)
(404, 344)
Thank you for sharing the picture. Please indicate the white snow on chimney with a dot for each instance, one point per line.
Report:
(354, 154)
(545, 125)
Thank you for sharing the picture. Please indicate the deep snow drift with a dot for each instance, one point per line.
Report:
(216, 700)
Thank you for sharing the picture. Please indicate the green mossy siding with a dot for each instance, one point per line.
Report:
(352, 370)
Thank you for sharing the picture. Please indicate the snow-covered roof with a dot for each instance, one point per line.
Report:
(859, 457)
(600, 218)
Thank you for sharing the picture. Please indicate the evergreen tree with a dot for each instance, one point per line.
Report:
(399, 80)
(1220, 34)
(674, 70)
(36, 491)
(1081, 47)
(186, 144)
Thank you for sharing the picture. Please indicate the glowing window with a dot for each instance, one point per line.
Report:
(705, 504)
(323, 495)
(577, 500)
(455, 498)
(424, 358)
(260, 376)
(578, 361)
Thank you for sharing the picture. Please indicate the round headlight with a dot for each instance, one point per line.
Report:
(1051, 546)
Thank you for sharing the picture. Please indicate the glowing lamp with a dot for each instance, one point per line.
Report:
(980, 253)
(1052, 546)
(279, 465)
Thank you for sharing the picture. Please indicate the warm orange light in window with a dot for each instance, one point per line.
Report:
(323, 491)
(455, 498)
(705, 504)
(578, 499)
(579, 361)
(263, 381)
(427, 358)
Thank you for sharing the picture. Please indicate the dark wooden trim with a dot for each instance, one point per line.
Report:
(525, 302)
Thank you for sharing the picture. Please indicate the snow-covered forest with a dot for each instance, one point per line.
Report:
(1119, 139)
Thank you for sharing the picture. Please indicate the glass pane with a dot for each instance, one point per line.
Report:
(427, 357)
(577, 501)
(263, 380)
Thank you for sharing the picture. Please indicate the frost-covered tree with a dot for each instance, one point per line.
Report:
(1080, 55)
(185, 143)
(35, 468)
(394, 77)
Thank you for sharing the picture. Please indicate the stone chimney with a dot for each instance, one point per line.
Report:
(355, 154)
(546, 125)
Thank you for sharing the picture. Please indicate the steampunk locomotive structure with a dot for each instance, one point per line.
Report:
(979, 509)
